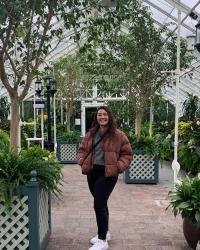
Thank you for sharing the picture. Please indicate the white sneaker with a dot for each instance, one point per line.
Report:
(100, 245)
(95, 238)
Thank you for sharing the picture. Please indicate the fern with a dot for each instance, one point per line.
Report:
(15, 172)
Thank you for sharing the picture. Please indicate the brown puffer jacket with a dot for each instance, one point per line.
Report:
(117, 153)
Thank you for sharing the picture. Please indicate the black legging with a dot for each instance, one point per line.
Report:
(101, 188)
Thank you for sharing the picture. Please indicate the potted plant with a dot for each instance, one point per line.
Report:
(147, 151)
(185, 200)
(67, 146)
(26, 181)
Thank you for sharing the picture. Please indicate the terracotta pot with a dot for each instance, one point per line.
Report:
(191, 232)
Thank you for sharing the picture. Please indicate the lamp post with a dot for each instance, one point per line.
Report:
(50, 91)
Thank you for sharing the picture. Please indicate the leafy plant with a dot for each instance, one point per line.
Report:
(184, 129)
(190, 107)
(4, 139)
(157, 145)
(185, 199)
(73, 136)
(189, 159)
(15, 171)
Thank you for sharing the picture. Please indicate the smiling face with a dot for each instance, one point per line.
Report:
(102, 118)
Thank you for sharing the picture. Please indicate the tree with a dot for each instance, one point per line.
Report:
(68, 72)
(27, 36)
(136, 54)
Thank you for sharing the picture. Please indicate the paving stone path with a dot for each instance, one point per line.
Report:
(138, 220)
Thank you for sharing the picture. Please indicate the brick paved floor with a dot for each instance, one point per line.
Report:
(138, 220)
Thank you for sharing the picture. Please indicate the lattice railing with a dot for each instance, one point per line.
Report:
(14, 229)
(143, 169)
(27, 226)
(66, 152)
(43, 215)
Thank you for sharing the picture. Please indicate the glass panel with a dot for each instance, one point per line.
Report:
(189, 3)
(198, 9)
(162, 4)
(163, 18)
(175, 14)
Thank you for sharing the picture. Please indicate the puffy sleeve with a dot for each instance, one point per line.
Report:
(82, 150)
(125, 155)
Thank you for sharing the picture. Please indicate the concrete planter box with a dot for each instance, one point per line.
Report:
(143, 169)
(66, 152)
(29, 225)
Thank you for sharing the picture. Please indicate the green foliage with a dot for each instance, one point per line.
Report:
(123, 114)
(155, 146)
(4, 139)
(184, 129)
(60, 128)
(190, 107)
(189, 132)
(163, 110)
(15, 171)
(131, 60)
(189, 159)
(27, 29)
(185, 199)
(4, 109)
(73, 136)
(5, 125)
(164, 128)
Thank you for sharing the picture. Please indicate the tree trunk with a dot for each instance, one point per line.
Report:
(14, 124)
(138, 122)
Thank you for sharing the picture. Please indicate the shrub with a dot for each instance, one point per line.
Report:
(15, 171)
(73, 136)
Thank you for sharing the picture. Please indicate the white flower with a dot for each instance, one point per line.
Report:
(198, 123)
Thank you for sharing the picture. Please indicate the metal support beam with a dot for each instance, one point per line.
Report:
(168, 15)
(175, 163)
(182, 7)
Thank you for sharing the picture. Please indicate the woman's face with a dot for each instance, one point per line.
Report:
(102, 117)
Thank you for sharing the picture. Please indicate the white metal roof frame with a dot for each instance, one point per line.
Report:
(163, 12)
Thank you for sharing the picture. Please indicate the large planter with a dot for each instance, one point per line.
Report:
(66, 152)
(29, 225)
(143, 169)
(191, 232)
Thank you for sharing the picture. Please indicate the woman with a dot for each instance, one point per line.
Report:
(104, 153)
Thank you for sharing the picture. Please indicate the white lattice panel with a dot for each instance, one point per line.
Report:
(14, 229)
(142, 167)
(68, 152)
(43, 215)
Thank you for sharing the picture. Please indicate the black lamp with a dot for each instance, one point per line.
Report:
(50, 91)
(38, 87)
(52, 83)
(197, 45)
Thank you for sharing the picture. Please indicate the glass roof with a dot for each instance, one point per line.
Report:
(166, 12)
(163, 12)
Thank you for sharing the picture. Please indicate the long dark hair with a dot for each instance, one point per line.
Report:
(112, 125)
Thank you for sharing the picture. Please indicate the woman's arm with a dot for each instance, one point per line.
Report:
(81, 152)
(125, 155)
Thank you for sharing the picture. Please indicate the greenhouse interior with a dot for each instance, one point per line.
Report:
(100, 92)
